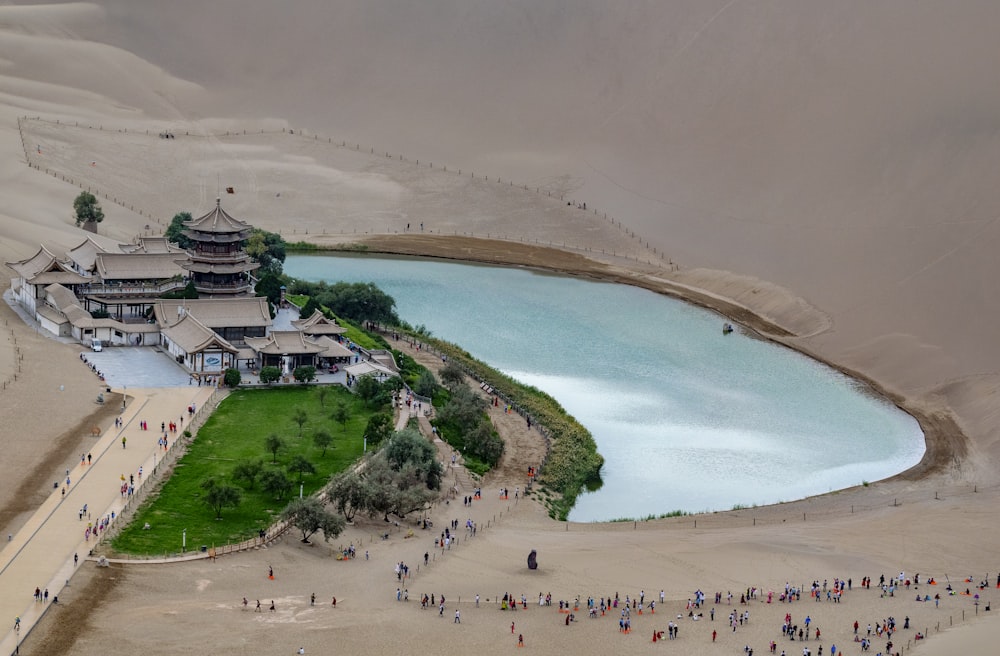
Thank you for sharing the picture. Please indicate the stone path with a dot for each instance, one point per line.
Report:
(41, 553)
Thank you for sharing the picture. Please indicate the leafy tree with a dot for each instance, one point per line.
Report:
(341, 414)
(310, 516)
(390, 491)
(348, 493)
(299, 465)
(451, 374)
(322, 392)
(484, 443)
(305, 373)
(175, 231)
(408, 446)
(249, 471)
(359, 302)
(426, 384)
(379, 428)
(188, 291)
(322, 439)
(269, 285)
(232, 378)
(310, 307)
(300, 417)
(87, 209)
(374, 393)
(267, 249)
(275, 483)
(270, 375)
(464, 409)
(219, 495)
(273, 443)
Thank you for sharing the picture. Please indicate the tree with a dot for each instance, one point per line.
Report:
(273, 443)
(219, 495)
(484, 443)
(299, 465)
(374, 393)
(188, 291)
(322, 439)
(309, 515)
(379, 428)
(322, 391)
(249, 471)
(426, 384)
(359, 302)
(305, 373)
(408, 446)
(175, 231)
(269, 375)
(232, 378)
(267, 249)
(408, 450)
(300, 417)
(451, 374)
(310, 307)
(275, 483)
(348, 493)
(341, 414)
(269, 285)
(87, 209)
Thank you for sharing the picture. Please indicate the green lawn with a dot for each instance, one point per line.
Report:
(236, 432)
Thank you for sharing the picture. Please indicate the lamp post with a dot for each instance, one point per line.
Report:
(184, 539)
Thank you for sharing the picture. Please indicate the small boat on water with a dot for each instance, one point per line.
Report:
(727, 328)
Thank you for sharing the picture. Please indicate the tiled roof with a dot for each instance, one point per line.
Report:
(85, 254)
(317, 324)
(194, 336)
(284, 342)
(217, 221)
(138, 266)
(241, 311)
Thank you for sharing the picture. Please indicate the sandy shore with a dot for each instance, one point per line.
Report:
(856, 227)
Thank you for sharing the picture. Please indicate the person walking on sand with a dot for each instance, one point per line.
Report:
(520, 639)
(123, 441)
(272, 606)
(458, 617)
(257, 609)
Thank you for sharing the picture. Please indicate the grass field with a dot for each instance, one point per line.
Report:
(236, 432)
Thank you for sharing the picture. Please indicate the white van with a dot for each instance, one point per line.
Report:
(95, 345)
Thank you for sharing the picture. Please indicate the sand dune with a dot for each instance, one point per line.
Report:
(826, 165)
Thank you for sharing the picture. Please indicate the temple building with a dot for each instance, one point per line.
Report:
(218, 262)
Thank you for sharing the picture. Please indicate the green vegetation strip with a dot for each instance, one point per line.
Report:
(573, 462)
(236, 433)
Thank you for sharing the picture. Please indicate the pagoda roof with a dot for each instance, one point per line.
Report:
(318, 324)
(218, 221)
(201, 266)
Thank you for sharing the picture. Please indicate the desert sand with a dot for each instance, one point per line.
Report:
(819, 172)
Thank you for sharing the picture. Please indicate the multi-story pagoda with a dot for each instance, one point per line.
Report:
(219, 263)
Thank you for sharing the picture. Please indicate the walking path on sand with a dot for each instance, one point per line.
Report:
(41, 554)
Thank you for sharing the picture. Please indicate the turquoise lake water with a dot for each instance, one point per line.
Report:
(686, 418)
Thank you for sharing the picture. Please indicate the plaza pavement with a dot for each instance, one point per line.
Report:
(41, 553)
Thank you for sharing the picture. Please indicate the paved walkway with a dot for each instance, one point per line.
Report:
(41, 554)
